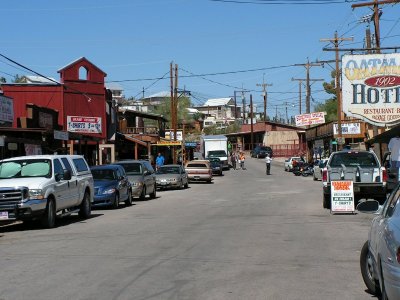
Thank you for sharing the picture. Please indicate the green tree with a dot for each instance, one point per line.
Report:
(164, 109)
(330, 105)
(3, 80)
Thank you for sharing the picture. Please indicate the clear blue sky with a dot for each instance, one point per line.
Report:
(137, 39)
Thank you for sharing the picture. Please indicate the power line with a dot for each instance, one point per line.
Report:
(285, 2)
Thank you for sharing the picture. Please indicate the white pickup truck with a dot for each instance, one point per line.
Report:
(363, 168)
(45, 186)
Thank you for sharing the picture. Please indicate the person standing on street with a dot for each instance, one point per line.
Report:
(241, 159)
(233, 160)
(159, 161)
(268, 161)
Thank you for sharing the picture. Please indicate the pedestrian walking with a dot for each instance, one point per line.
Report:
(241, 159)
(268, 161)
(233, 160)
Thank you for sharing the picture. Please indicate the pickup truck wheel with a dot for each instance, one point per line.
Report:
(48, 219)
(115, 204)
(326, 201)
(187, 184)
(153, 195)
(367, 270)
(85, 207)
(128, 201)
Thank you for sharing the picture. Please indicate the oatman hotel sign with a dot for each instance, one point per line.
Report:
(371, 87)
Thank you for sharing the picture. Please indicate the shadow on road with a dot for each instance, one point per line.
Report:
(35, 225)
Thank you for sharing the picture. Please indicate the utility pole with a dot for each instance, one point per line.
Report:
(308, 65)
(335, 42)
(175, 125)
(376, 16)
(264, 85)
(234, 97)
(251, 123)
(300, 83)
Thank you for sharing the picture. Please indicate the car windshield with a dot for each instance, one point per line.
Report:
(216, 153)
(25, 168)
(104, 174)
(132, 168)
(353, 159)
(168, 170)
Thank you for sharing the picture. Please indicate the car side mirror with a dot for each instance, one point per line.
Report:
(147, 173)
(67, 175)
(368, 207)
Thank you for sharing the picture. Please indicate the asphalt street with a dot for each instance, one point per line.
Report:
(245, 236)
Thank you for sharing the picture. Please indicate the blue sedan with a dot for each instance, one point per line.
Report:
(111, 186)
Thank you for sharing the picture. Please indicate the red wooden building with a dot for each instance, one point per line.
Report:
(84, 107)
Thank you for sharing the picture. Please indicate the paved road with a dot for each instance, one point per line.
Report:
(246, 236)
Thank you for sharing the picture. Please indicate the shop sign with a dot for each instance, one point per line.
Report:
(6, 110)
(371, 87)
(84, 124)
(169, 135)
(61, 135)
(169, 143)
(310, 119)
(347, 128)
(190, 144)
(342, 196)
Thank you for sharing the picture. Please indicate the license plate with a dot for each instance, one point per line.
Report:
(163, 183)
(196, 177)
(3, 215)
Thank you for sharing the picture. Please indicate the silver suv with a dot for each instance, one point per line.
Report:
(142, 177)
(44, 186)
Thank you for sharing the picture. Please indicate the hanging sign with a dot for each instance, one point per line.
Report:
(310, 119)
(342, 196)
(348, 128)
(84, 124)
(371, 87)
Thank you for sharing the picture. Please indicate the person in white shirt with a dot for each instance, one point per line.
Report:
(268, 161)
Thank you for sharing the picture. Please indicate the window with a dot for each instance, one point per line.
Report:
(80, 164)
(83, 73)
(67, 165)
(58, 169)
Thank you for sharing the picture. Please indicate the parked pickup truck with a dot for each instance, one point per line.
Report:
(44, 186)
(361, 167)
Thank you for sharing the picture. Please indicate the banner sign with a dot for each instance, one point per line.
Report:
(371, 87)
(342, 196)
(84, 124)
(348, 128)
(310, 119)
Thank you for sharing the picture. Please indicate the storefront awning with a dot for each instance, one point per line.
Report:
(385, 137)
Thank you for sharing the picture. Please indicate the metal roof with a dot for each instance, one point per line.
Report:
(217, 102)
